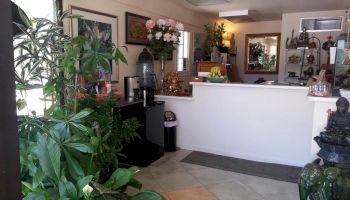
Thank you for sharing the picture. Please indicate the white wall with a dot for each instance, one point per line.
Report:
(240, 30)
(154, 9)
(291, 21)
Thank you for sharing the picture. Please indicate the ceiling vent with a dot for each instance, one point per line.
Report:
(207, 2)
(239, 15)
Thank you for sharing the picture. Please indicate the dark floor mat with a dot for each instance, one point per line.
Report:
(266, 170)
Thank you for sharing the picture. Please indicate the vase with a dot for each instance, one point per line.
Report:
(162, 60)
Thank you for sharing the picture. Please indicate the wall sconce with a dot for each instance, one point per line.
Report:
(227, 38)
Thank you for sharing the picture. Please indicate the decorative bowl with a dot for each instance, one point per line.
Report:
(216, 79)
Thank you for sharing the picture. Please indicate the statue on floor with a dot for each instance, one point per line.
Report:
(318, 183)
(330, 181)
(338, 126)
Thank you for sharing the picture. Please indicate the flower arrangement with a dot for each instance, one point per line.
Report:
(163, 35)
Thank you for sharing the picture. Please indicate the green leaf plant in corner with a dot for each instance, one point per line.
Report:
(64, 153)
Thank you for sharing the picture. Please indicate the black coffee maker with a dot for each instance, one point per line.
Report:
(147, 78)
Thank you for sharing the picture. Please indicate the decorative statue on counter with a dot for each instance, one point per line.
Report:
(172, 84)
(215, 55)
(233, 47)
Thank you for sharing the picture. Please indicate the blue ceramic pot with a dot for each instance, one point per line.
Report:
(216, 79)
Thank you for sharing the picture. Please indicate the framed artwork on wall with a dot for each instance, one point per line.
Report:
(135, 29)
(103, 26)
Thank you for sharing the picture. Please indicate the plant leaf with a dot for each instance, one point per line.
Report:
(81, 114)
(147, 195)
(49, 155)
(35, 196)
(67, 188)
(85, 148)
(74, 168)
(119, 178)
(82, 183)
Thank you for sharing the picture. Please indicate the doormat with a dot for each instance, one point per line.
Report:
(267, 170)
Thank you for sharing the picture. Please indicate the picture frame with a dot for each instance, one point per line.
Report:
(106, 25)
(135, 29)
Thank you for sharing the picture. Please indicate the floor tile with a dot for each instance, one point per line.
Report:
(166, 168)
(178, 155)
(192, 167)
(197, 193)
(184, 181)
(210, 176)
(176, 181)
(233, 190)
(283, 197)
(268, 187)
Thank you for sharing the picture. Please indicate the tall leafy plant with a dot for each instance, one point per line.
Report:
(214, 36)
(61, 152)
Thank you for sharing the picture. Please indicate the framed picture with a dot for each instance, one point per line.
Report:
(104, 26)
(135, 29)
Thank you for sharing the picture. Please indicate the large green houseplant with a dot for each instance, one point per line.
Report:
(63, 153)
(214, 36)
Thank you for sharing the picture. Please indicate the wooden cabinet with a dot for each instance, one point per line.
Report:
(204, 66)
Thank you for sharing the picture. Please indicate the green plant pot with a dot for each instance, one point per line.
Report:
(216, 79)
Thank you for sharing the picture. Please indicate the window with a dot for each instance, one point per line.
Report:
(183, 51)
(321, 24)
(35, 101)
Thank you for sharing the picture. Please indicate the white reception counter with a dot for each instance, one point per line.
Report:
(268, 123)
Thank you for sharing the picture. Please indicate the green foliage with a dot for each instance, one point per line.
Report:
(214, 36)
(268, 62)
(63, 152)
(109, 131)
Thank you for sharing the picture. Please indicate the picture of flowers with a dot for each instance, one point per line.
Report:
(136, 32)
(102, 26)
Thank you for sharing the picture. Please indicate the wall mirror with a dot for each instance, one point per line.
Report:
(262, 53)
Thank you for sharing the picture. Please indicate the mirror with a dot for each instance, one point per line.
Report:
(262, 53)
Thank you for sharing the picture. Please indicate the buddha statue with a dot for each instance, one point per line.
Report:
(338, 127)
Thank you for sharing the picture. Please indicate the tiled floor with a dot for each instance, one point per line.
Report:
(182, 181)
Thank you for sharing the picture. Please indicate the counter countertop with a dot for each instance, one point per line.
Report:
(247, 85)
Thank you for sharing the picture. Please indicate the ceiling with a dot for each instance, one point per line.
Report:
(270, 9)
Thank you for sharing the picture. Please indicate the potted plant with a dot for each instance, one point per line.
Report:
(59, 152)
(214, 36)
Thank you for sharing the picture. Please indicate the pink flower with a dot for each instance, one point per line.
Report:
(167, 37)
(150, 24)
(158, 35)
(170, 22)
(149, 36)
(174, 38)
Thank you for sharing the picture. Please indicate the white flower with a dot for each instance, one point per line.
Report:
(174, 38)
(179, 26)
(161, 22)
(87, 190)
(158, 35)
(149, 36)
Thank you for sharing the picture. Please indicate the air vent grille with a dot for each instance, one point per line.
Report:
(207, 2)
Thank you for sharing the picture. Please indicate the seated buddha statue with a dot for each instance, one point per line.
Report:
(338, 126)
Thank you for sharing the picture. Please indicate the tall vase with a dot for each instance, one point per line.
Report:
(162, 60)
